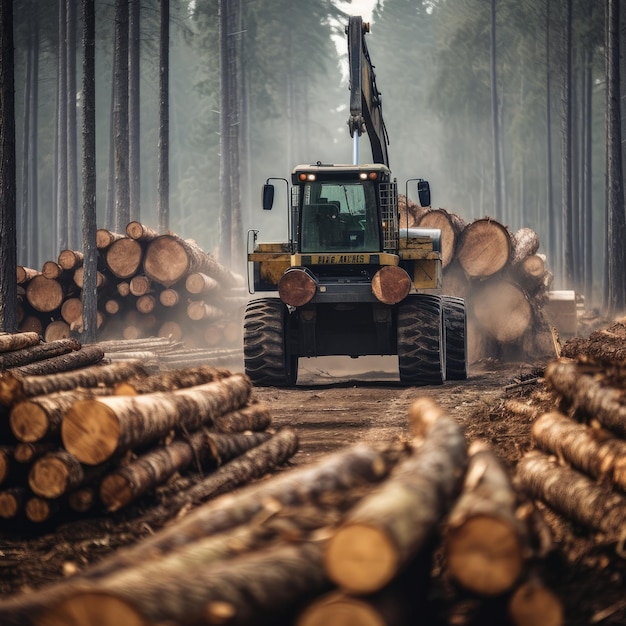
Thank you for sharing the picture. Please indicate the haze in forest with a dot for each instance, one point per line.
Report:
(435, 61)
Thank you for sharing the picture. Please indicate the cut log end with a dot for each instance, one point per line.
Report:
(115, 491)
(29, 422)
(361, 558)
(484, 555)
(48, 477)
(91, 608)
(340, 611)
(532, 604)
(92, 422)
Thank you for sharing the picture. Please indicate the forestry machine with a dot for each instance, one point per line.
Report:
(352, 280)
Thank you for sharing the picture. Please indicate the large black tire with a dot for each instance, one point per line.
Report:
(455, 338)
(266, 359)
(421, 345)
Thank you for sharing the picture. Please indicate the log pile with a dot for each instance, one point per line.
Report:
(501, 275)
(353, 534)
(81, 433)
(148, 285)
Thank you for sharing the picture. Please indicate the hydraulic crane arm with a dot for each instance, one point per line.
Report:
(365, 103)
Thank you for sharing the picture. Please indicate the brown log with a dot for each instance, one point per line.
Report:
(85, 356)
(54, 474)
(153, 468)
(170, 329)
(123, 257)
(338, 473)
(141, 232)
(112, 307)
(28, 452)
(169, 258)
(593, 451)
(146, 304)
(242, 590)
(255, 417)
(198, 283)
(139, 285)
(105, 238)
(607, 345)
(37, 352)
(31, 324)
(409, 212)
(451, 226)
(531, 272)
(483, 248)
(533, 604)
(97, 429)
(14, 389)
(524, 242)
(502, 310)
(40, 417)
(79, 274)
(123, 288)
(51, 270)
(572, 494)
(158, 344)
(17, 341)
(70, 259)
(6, 459)
(40, 510)
(56, 331)
(11, 501)
(583, 392)
(44, 294)
(169, 297)
(82, 499)
(169, 381)
(484, 541)
(24, 274)
(200, 311)
(72, 309)
(392, 524)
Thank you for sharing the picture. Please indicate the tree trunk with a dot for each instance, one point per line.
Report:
(255, 417)
(583, 392)
(573, 494)
(96, 430)
(391, 525)
(153, 468)
(25, 274)
(69, 260)
(483, 248)
(105, 238)
(484, 541)
(451, 226)
(40, 417)
(14, 389)
(141, 232)
(591, 450)
(163, 183)
(39, 352)
(85, 356)
(51, 270)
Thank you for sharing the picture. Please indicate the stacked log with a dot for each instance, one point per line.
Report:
(148, 284)
(81, 433)
(353, 534)
(501, 276)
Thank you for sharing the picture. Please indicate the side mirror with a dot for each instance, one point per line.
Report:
(268, 197)
(423, 191)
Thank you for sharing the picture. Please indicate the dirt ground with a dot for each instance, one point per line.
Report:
(336, 403)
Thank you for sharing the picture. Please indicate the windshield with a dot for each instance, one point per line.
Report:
(339, 217)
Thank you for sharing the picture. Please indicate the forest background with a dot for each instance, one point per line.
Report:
(507, 107)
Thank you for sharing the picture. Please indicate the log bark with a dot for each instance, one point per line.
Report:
(255, 417)
(583, 392)
(40, 417)
(502, 310)
(451, 226)
(484, 541)
(123, 257)
(524, 243)
(169, 381)
(483, 248)
(44, 294)
(593, 451)
(120, 487)
(243, 590)
(70, 259)
(391, 525)
(572, 494)
(83, 357)
(96, 430)
(54, 474)
(16, 341)
(14, 389)
(604, 346)
(38, 352)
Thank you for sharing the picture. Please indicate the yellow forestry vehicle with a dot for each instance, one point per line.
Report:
(352, 280)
